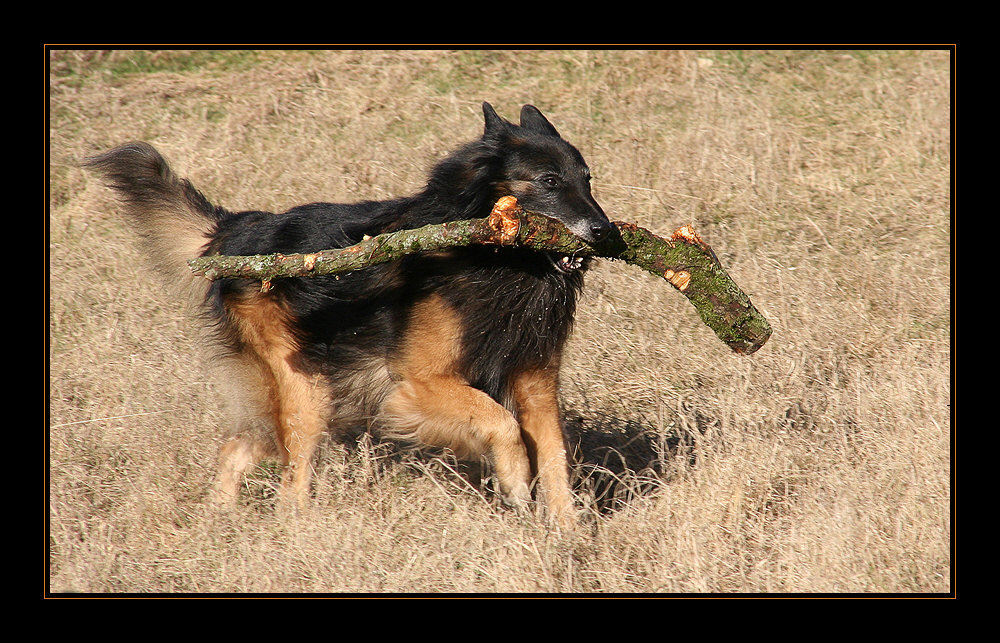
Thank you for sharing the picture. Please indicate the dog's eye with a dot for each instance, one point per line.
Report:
(550, 180)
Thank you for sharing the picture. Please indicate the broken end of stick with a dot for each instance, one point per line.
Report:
(751, 337)
(505, 218)
(729, 312)
(680, 279)
(687, 233)
(202, 268)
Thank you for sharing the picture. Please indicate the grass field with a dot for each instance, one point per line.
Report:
(820, 464)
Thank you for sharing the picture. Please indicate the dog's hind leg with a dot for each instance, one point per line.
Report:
(301, 420)
(298, 400)
(536, 400)
(236, 457)
(246, 385)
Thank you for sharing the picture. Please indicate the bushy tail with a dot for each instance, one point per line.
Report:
(175, 221)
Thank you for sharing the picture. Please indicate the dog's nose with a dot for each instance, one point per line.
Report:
(600, 230)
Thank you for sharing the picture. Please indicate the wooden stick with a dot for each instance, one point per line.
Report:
(684, 260)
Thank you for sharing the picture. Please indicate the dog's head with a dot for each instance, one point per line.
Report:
(545, 173)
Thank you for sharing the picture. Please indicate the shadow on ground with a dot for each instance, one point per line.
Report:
(614, 460)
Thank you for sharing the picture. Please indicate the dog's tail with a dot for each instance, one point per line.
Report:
(174, 220)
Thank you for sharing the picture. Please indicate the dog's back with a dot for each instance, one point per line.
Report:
(458, 349)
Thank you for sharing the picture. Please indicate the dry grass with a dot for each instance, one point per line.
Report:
(819, 464)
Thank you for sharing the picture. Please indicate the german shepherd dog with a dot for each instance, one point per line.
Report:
(457, 348)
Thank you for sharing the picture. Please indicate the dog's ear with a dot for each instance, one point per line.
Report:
(494, 124)
(533, 120)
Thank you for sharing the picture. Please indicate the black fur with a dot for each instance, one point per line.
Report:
(516, 306)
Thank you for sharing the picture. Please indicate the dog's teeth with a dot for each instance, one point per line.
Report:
(568, 263)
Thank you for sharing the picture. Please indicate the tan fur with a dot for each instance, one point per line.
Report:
(298, 404)
(420, 397)
(433, 405)
(536, 397)
(415, 390)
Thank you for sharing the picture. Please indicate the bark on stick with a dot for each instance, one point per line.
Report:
(684, 260)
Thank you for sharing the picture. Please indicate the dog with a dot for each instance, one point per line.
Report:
(458, 348)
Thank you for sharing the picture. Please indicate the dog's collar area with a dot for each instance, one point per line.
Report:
(565, 263)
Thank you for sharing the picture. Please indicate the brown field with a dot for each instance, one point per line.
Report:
(820, 464)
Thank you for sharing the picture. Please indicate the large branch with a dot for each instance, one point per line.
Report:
(684, 260)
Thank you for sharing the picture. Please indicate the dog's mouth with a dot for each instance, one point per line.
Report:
(565, 263)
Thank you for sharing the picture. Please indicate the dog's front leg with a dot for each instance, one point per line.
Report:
(536, 395)
(445, 411)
